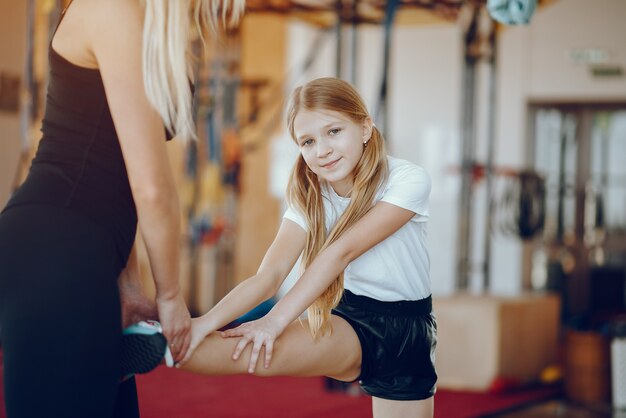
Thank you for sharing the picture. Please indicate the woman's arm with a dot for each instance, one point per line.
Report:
(276, 265)
(115, 35)
(378, 224)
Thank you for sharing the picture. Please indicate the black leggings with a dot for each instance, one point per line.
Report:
(60, 321)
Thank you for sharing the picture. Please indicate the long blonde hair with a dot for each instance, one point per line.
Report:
(304, 191)
(166, 40)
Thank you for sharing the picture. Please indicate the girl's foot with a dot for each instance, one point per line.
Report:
(143, 348)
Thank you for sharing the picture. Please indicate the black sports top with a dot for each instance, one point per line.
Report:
(79, 163)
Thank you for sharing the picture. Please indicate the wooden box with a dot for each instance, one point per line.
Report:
(483, 340)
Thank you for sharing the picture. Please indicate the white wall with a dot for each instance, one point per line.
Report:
(12, 56)
(570, 24)
(424, 128)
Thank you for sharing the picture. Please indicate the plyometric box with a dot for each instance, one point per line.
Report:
(483, 340)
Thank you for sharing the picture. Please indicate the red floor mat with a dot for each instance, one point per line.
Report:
(167, 393)
(174, 394)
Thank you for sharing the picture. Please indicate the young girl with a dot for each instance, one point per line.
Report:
(118, 84)
(358, 217)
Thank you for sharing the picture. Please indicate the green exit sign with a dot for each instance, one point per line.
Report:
(607, 71)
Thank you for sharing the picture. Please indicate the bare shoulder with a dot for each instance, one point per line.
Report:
(112, 21)
(96, 24)
(93, 16)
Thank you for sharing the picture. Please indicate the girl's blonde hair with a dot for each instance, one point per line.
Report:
(166, 40)
(304, 189)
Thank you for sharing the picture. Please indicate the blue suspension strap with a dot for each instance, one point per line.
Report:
(381, 111)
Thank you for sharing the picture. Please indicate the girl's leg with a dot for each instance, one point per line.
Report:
(337, 355)
(385, 408)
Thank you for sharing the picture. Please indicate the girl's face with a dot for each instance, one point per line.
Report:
(331, 145)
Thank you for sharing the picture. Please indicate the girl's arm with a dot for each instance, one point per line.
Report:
(276, 265)
(115, 37)
(378, 224)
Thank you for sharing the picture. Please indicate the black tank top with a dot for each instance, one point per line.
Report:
(79, 163)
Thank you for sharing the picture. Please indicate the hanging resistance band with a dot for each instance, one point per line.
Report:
(381, 110)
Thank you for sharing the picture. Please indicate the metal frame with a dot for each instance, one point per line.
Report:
(351, 11)
(578, 285)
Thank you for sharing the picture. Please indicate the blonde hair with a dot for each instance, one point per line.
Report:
(304, 189)
(166, 41)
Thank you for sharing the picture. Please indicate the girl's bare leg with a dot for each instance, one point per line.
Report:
(385, 408)
(337, 355)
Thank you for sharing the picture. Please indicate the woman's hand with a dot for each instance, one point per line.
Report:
(262, 332)
(176, 323)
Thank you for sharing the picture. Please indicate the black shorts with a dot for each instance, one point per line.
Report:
(398, 342)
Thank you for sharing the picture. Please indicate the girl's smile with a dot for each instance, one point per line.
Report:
(331, 164)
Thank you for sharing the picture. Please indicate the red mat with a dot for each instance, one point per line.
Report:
(173, 394)
(167, 393)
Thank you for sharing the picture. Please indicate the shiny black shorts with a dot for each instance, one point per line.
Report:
(398, 342)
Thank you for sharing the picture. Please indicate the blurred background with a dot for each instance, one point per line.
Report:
(516, 108)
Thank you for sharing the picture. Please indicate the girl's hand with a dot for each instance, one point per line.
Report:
(199, 332)
(262, 332)
(176, 323)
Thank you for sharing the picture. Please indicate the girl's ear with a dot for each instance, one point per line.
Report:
(368, 127)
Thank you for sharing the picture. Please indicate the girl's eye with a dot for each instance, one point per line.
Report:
(307, 142)
(334, 131)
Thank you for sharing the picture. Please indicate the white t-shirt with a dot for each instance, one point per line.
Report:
(398, 267)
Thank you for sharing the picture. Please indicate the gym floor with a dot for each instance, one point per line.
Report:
(560, 408)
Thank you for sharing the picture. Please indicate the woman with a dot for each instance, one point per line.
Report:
(118, 85)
